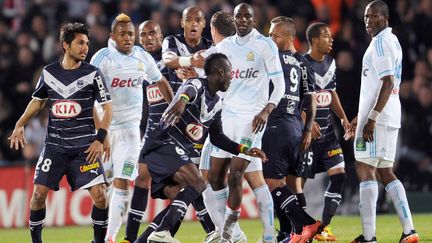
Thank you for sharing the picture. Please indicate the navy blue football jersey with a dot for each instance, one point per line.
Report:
(299, 81)
(178, 45)
(325, 83)
(203, 111)
(70, 96)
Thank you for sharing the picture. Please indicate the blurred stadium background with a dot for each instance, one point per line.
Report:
(29, 40)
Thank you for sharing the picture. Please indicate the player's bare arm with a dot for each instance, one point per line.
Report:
(336, 106)
(106, 143)
(310, 111)
(316, 129)
(384, 95)
(260, 120)
(165, 89)
(173, 61)
(96, 149)
(17, 139)
(174, 112)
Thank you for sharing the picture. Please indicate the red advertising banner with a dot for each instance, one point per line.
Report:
(71, 208)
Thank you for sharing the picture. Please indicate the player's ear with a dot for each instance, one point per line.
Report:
(65, 45)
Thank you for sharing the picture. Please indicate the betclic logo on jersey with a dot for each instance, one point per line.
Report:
(66, 109)
(123, 83)
(243, 74)
(154, 95)
(323, 98)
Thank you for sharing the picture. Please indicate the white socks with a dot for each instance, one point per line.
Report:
(215, 202)
(117, 207)
(367, 206)
(397, 193)
(265, 205)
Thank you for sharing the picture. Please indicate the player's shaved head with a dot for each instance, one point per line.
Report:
(192, 9)
(151, 25)
(285, 24)
(150, 36)
(244, 6)
(380, 6)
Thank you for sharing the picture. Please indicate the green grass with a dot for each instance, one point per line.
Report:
(345, 228)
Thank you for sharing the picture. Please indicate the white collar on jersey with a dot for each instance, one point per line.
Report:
(243, 40)
(382, 32)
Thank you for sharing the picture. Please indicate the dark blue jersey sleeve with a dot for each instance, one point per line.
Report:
(41, 90)
(307, 78)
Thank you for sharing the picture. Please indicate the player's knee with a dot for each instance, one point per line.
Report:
(143, 181)
(38, 200)
(364, 172)
(216, 182)
(198, 184)
(235, 178)
(99, 196)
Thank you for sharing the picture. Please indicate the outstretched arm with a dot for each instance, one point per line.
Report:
(173, 61)
(17, 139)
(220, 140)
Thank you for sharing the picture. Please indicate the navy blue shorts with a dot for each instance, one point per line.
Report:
(53, 165)
(163, 161)
(320, 157)
(282, 151)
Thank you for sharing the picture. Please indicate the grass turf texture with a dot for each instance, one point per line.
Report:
(345, 228)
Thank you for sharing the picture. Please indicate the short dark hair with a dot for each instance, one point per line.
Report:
(286, 20)
(68, 31)
(381, 6)
(213, 63)
(313, 31)
(224, 23)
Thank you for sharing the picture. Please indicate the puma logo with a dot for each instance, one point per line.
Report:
(94, 171)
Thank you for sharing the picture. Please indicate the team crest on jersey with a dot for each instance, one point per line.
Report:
(250, 57)
(140, 66)
(80, 83)
(194, 131)
(323, 98)
(154, 95)
(66, 109)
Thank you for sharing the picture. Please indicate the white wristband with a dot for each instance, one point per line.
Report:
(373, 115)
(185, 61)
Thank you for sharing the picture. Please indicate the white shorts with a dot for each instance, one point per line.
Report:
(382, 151)
(205, 155)
(125, 150)
(239, 129)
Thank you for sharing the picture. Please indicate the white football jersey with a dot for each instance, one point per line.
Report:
(255, 60)
(382, 58)
(124, 76)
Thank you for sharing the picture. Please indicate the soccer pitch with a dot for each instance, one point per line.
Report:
(345, 228)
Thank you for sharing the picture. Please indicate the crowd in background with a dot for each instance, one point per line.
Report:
(29, 40)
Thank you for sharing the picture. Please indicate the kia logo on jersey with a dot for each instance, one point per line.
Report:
(117, 82)
(194, 131)
(153, 94)
(65, 109)
(248, 73)
(323, 98)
